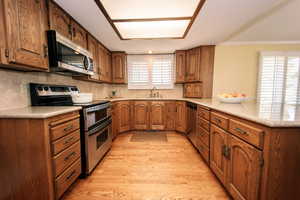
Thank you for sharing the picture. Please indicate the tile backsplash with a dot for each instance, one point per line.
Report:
(15, 90)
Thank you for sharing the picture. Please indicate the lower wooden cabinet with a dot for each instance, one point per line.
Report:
(34, 164)
(157, 115)
(218, 162)
(140, 115)
(181, 116)
(170, 115)
(124, 116)
(244, 169)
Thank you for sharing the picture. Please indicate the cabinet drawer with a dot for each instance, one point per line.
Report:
(247, 132)
(64, 129)
(203, 113)
(204, 151)
(63, 182)
(219, 120)
(204, 136)
(66, 158)
(66, 141)
(203, 123)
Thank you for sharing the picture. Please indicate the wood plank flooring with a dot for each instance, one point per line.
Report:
(153, 170)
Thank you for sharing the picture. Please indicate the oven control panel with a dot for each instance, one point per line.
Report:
(54, 90)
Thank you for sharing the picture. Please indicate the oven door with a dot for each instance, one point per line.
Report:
(95, 115)
(98, 143)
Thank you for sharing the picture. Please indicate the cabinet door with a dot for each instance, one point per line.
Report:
(108, 67)
(26, 25)
(197, 90)
(206, 70)
(244, 170)
(188, 90)
(170, 116)
(102, 63)
(118, 67)
(180, 66)
(141, 115)
(181, 117)
(79, 35)
(157, 115)
(115, 119)
(93, 48)
(124, 116)
(60, 21)
(218, 162)
(193, 65)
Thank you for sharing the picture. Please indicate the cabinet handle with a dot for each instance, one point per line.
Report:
(74, 32)
(226, 152)
(68, 141)
(68, 128)
(218, 120)
(37, 1)
(70, 155)
(241, 131)
(70, 176)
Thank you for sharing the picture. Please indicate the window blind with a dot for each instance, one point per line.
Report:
(148, 71)
(279, 78)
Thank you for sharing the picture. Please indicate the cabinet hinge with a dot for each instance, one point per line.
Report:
(6, 53)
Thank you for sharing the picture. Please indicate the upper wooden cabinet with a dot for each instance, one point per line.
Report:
(206, 70)
(79, 35)
(193, 65)
(157, 115)
(93, 48)
(124, 116)
(23, 34)
(61, 22)
(192, 90)
(180, 66)
(119, 67)
(104, 64)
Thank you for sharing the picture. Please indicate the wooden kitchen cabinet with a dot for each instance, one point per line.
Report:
(192, 90)
(79, 35)
(63, 23)
(140, 115)
(104, 64)
(157, 115)
(181, 118)
(218, 146)
(207, 70)
(59, 20)
(23, 35)
(244, 169)
(93, 48)
(119, 67)
(124, 116)
(170, 115)
(180, 57)
(193, 65)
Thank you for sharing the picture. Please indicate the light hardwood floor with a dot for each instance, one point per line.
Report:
(170, 170)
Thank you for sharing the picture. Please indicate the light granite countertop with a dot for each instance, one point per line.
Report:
(37, 112)
(272, 115)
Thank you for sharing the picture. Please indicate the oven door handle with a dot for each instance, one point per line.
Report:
(96, 108)
(102, 126)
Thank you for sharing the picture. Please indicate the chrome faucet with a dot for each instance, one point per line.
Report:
(153, 94)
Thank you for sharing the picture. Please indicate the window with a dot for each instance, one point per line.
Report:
(148, 71)
(279, 78)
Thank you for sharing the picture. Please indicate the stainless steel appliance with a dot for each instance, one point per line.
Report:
(65, 57)
(95, 120)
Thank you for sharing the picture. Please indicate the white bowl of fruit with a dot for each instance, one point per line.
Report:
(232, 97)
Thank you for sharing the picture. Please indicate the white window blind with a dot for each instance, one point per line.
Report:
(148, 71)
(279, 78)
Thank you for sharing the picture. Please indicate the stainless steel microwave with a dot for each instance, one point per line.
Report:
(66, 57)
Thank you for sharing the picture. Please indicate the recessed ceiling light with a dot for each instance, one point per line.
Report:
(144, 19)
(150, 52)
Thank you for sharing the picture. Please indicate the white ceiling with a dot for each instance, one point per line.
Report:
(281, 25)
(217, 20)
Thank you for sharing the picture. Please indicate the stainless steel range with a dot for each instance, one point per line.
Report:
(95, 120)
